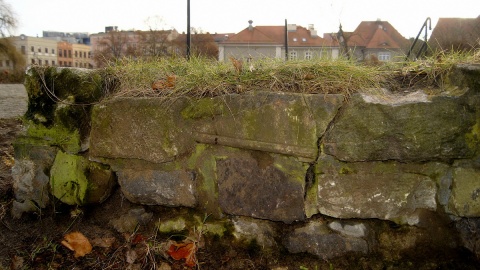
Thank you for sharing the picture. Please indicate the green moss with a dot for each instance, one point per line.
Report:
(473, 137)
(346, 170)
(38, 134)
(67, 179)
(172, 226)
(203, 108)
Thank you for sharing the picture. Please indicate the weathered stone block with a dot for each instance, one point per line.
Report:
(76, 180)
(433, 129)
(282, 123)
(137, 128)
(465, 196)
(317, 239)
(155, 187)
(263, 186)
(373, 190)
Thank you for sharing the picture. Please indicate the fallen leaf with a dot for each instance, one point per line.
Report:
(78, 243)
(185, 251)
(17, 263)
(138, 238)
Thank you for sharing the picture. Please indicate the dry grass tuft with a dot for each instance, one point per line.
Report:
(202, 77)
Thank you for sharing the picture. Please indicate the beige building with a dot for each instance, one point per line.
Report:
(81, 56)
(269, 42)
(37, 50)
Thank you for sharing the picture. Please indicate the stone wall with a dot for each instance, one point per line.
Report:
(325, 168)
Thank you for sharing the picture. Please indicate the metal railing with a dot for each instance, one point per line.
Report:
(428, 22)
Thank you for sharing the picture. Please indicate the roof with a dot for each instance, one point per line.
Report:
(377, 34)
(270, 35)
(454, 31)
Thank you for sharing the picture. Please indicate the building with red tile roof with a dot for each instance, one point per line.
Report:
(256, 42)
(456, 34)
(377, 39)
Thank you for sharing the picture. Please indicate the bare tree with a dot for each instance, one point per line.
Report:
(7, 19)
(113, 45)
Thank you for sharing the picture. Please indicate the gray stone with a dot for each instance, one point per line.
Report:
(465, 196)
(139, 128)
(283, 123)
(383, 190)
(247, 230)
(266, 187)
(31, 187)
(354, 230)
(154, 187)
(317, 239)
(419, 131)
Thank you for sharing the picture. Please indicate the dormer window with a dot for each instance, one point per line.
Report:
(295, 39)
(304, 39)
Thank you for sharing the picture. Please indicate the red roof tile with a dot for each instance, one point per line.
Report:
(276, 35)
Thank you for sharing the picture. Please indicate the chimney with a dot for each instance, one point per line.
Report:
(250, 27)
(313, 32)
(291, 27)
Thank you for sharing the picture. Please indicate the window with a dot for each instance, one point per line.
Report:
(7, 63)
(292, 55)
(76, 64)
(70, 54)
(33, 61)
(32, 49)
(53, 62)
(39, 61)
(69, 64)
(60, 53)
(53, 51)
(1, 63)
(23, 50)
(84, 54)
(46, 50)
(39, 49)
(308, 55)
(60, 63)
(46, 62)
(76, 54)
(384, 56)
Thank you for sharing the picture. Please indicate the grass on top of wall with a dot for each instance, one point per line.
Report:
(201, 77)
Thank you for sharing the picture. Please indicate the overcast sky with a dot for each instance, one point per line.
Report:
(231, 16)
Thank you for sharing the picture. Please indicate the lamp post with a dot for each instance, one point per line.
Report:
(188, 30)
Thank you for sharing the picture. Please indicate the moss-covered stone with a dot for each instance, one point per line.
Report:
(76, 181)
(465, 196)
(55, 135)
(49, 86)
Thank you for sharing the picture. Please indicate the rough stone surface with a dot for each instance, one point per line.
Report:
(282, 123)
(317, 239)
(372, 190)
(354, 230)
(75, 180)
(154, 187)
(30, 185)
(465, 196)
(262, 232)
(137, 128)
(468, 230)
(420, 131)
(262, 186)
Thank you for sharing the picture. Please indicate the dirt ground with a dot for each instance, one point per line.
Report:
(34, 241)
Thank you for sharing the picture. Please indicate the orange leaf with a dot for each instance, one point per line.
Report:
(77, 242)
(183, 251)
